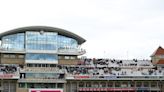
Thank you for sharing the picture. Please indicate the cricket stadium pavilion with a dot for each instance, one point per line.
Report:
(45, 59)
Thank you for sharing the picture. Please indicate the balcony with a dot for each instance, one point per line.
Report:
(42, 70)
(11, 50)
(71, 51)
(105, 89)
(102, 77)
(37, 80)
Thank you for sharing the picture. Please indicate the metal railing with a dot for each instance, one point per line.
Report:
(123, 77)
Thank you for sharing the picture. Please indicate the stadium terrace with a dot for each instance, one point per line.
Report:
(45, 59)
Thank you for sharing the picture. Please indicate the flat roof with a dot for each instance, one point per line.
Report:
(60, 31)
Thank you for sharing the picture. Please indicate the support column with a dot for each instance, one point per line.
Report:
(114, 84)
(70, 86)
(9, 86)
(149, 84)
(65, 87)
(77, 86)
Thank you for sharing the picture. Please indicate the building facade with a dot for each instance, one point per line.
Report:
(45, 59)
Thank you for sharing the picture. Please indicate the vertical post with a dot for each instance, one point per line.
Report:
(70, 86)
(9, 86)
(77, 86)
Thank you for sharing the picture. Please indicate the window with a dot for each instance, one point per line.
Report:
(52, 65)
(60, 57)
(102, 84)
(88, 84)
(30, 85)
(43, 75)
(117, 84)
(139, 84)
(45, 41)
(96, 84)
(6, 55)
(47, 57)
(21, 85)
(13, 42)
(60, 85)
(66, 43)
(30, 65)
(72, 57)
(146, 84)
(20, 56)
(43, 65)
(81, 84)
(132, 84)
(110, 84)
(12, 56)
(124, 84)
(9, 56)
(154, 84)
(66, 57)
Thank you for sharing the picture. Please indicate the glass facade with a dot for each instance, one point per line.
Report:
(41, 41)
(13, 42)
(65, 43)
(38, 44)
(46, 57)
(38, 41)
(43, 75)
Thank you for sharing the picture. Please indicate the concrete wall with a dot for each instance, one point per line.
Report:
(12, 61)
(68, 62)
(22, 90)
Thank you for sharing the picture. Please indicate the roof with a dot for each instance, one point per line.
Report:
(159, 51)
(160, 61)
(63, 32)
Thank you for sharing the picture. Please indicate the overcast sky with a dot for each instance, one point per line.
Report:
(122, 29)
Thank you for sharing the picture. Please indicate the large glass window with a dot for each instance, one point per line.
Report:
(35, 40)
(65, 43)
(47, 57)
(13, 42)
(42, 75)
(41, 40)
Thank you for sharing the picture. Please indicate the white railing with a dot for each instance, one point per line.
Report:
(2, 49)
(102, 77)
(42, 80)
(72, 51)
(42, 70)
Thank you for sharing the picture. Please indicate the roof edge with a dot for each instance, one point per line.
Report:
(48, 28)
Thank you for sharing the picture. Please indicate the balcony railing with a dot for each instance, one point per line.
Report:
(60, 51)
(37, 80)
(12, 50)
(41, 70)
(101, 77)
(72, 51)
(116, 88)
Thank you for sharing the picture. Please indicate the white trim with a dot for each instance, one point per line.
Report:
(42, 61)
(39, 90)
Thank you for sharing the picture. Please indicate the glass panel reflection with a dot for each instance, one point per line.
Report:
(41, 41)
(13, 42)
(47, 57)
(65, 43)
